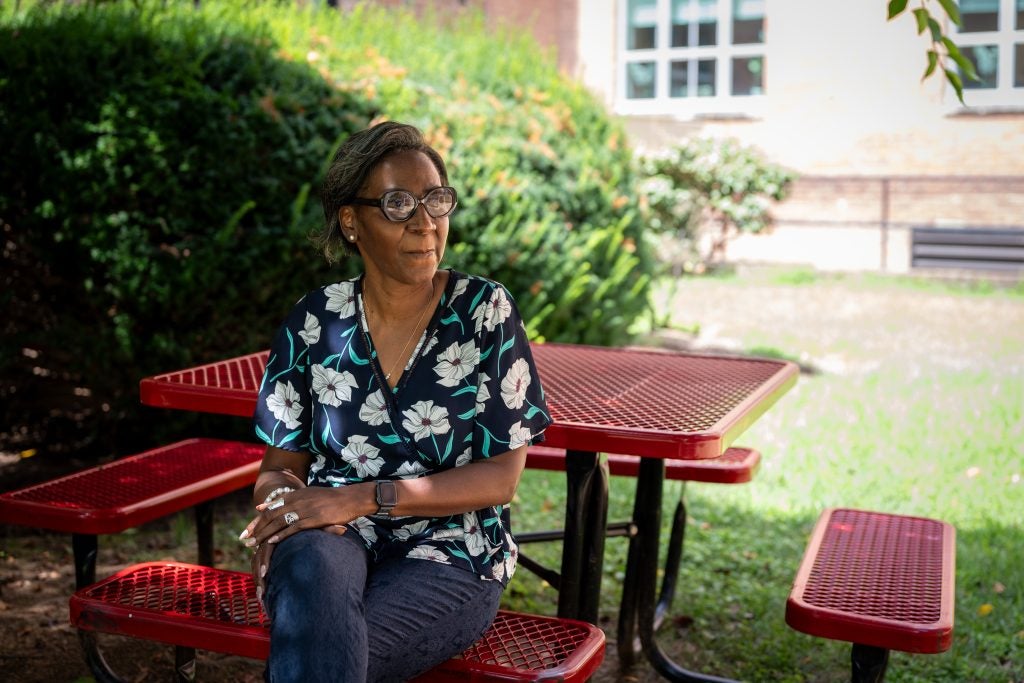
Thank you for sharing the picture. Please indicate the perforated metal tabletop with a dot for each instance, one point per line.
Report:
(631, 401)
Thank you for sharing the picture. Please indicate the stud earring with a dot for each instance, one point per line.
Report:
(351, 238)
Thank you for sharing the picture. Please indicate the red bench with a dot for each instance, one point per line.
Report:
(134, 490)
(192, 607)
(880, 581)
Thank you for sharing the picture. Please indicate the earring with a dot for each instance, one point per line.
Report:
(351, 238)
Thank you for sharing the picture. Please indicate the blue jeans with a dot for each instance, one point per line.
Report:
(337, 616)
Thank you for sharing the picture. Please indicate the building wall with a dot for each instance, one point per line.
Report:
(847, 110)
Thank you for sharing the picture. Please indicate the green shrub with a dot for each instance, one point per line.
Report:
(161, 172)
(708, 182)
(153, 164)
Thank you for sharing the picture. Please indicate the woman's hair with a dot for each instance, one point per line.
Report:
(353, 163)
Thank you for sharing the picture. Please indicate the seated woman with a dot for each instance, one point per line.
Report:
(397, 408)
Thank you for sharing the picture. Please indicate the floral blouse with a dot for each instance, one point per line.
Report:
(469, 391)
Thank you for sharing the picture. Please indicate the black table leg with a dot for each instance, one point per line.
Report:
(84, 547)
(204, 533)
(647, 516)
(586, 516)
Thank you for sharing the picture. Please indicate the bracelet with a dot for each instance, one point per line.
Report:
(277, 493)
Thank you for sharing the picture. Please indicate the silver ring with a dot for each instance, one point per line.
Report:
(278, 502)
(290, 518)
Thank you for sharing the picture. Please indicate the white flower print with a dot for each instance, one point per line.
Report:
(456, 362)
(447, 534)
(409, 530)
(431, 343)
(285, 404)
(341, 299)
(460, 288)
(518, 436)
(311, 330)
(428, 552)
(498, 571)
(425, 419)
(464, 457)
(483, 394)
(410, 470)
(493, 312)
(374, 412)
(362, 456)
(365, 528)
(332, 388)
(476, 544)
(513, 386)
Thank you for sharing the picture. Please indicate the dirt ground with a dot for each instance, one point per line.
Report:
(37, 644)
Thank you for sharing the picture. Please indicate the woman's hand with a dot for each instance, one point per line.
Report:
(313, 507)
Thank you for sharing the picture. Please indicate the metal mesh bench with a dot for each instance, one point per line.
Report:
(134, 490)
(194, 607)
(880, 581)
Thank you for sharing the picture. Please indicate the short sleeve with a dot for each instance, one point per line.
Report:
(510, 411)
(283, 408)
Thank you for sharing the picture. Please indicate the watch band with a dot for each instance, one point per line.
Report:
(387, 496)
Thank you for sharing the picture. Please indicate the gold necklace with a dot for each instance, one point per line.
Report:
(415, 328)
(401, 354)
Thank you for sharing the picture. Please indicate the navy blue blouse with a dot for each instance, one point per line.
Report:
(469, 391)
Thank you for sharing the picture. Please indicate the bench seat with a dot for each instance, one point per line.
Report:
(132, 491)
(735, 466)
(197, 607)
(881, 581)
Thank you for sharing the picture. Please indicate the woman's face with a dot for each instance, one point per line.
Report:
(408, 252)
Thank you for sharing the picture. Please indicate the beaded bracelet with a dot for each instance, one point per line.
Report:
(277, 493)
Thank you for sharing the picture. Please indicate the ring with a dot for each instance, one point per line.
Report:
(290, 518)
(276, 503)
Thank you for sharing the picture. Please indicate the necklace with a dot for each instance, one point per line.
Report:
(401, 354)
(412, 334)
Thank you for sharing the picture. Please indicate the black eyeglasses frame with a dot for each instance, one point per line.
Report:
(380, 202)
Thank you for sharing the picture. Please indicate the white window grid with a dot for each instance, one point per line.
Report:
(1005, 38)
(723, 102)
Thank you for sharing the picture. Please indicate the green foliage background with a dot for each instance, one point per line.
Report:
(160, 183)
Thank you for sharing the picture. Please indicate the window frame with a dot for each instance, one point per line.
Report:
(723, 102)
(1005, 38)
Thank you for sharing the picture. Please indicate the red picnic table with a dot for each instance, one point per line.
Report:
(643, 402)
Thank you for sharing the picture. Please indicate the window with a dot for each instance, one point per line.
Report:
(992, 37)
(692, 56)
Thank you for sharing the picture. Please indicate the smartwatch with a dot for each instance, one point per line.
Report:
(387, 496)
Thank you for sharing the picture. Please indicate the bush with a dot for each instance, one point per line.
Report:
(160, 165)
(153, 165)
(715, 184)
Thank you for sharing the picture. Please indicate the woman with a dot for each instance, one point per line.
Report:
(397, 408)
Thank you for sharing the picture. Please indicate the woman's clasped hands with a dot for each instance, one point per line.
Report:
(289, 509)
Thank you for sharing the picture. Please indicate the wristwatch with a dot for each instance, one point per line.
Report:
(387, 496)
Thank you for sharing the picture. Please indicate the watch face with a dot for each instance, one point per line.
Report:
(387, 495)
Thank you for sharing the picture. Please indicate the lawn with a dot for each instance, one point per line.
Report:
(911, 402)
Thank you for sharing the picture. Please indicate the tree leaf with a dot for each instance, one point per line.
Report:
(958, 86)
(933, 59)
(922, 16)
(896, 7)
(952, 10)
(966, 65)
(936, 30)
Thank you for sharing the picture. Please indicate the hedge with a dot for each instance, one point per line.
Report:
(160, 185)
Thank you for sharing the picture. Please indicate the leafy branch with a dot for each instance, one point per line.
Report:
(943, 49)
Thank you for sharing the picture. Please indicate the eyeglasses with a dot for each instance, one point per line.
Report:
(399, 206)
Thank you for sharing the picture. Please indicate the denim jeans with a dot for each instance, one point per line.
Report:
(337, 616)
